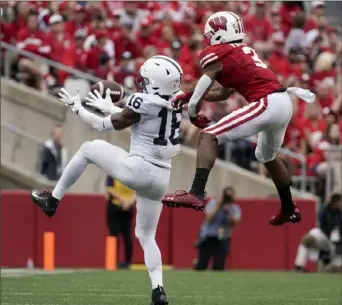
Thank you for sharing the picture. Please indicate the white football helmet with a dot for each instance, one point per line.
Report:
(223, 27)
(160, 75)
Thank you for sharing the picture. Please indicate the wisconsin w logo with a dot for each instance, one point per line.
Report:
(218, 23)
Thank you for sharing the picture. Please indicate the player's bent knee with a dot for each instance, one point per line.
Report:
(264, 158)
(85, 146)
(89, 145)
(309, 241)
(142, 236)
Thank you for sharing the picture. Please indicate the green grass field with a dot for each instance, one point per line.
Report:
(183, 288)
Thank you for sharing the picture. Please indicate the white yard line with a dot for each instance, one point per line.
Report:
(35, 272)
(114, 294)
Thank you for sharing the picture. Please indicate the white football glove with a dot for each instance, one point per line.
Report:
(95, 100)
(74, 102)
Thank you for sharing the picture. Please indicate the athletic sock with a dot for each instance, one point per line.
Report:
(286, 199)
(301, 258)
(200, 181)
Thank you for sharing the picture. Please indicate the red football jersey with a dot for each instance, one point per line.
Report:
(243, 70)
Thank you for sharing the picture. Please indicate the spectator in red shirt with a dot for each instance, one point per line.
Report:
(104, 69)
(78, 21)
(294, 140)
(125, 69)
(166, 38)
(318, 10)
(185, 28)
(21, 11)
(57, 38)
(33, 40)
(276, 21)
(287, 10)
(278, 61)
(145, 37)
(114, 26)
(294, 137)
(75, 55)
(260, 27)
(126, 42)
(324, 93)
(97, 22)
(93, 55)
(313, 124)
(6, 34)
(181, 53)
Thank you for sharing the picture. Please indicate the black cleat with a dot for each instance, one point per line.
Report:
(45, 201)
(159, 296)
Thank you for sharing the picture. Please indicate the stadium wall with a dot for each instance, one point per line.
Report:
(80, 232)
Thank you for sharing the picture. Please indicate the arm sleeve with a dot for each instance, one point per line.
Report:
(202, 86)
(96, 122)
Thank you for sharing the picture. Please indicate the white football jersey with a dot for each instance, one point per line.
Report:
(156, 137)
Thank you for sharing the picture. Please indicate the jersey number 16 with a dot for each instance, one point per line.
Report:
(175, 123)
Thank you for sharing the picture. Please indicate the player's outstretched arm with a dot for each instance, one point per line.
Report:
(124, 119)
(203, 86)
(218, 93)
(118, 120)
(115, 121)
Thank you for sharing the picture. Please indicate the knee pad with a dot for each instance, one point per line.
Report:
(265, 157)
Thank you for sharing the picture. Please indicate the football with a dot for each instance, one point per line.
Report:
(117, 92)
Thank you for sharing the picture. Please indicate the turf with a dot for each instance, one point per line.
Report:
(183, 287)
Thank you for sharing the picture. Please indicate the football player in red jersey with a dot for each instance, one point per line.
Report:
(234, 65)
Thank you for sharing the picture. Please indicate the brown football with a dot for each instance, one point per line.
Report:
(117, 92)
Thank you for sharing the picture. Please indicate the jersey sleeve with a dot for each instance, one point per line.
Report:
(208, 56)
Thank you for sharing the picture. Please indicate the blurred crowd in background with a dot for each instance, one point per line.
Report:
(111, 39)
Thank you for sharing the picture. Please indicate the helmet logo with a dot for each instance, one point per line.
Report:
(218, 23)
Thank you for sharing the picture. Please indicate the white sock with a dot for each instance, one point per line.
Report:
(72, 172)
(302, 256)
(153, 261)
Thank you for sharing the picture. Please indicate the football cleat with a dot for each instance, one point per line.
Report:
(45, 201)
(185, 200)
(159, 296)
(282, 218)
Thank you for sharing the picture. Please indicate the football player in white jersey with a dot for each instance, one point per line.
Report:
(146, 168)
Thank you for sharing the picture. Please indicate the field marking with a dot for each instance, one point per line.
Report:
(12, 273)
(113, 294)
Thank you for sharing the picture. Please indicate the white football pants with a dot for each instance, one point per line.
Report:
(149, 181)
(268, 118)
